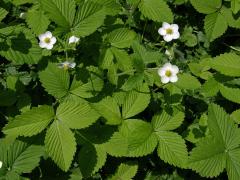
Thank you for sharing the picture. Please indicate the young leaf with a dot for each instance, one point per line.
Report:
(156, 10)
(206, 6)
(60, 144)
(215, 25)
(136, 101)
(227, 64)
(31, 122)
(55, 80)
(121, 38)
(62, 12)
(76, 114)
(89, 17)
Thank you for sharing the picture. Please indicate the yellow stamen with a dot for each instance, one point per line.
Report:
(47, 40)
(169, 31)
(168, 73)
(65, 66)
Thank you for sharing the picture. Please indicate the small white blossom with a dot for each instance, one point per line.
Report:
(1, 163)
(22, 15)
(169, 31)
(168, 73)
(47, 40)
(66, 65)
(73, 39)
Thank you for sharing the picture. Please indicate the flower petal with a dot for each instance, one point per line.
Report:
(167, 66)
(49, 46)
(41, 37)
(175, 69)
(165, 79)
(42, 44)
(174, 27)
(48, 34)
(173, 79)
(72, 65)
(162, 31)
(165, 25)
(168, 38)
(162, 71)
(53, 40)
(175, 35)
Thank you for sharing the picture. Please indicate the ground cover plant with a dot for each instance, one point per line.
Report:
(119, 89)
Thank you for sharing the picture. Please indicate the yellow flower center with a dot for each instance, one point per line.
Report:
(168, 73)
(169, 31)
(47, 40)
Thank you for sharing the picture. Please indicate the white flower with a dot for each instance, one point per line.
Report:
(66, 65)
(47, 40)
(22, 15)
(169, 32)
(73, 39)
(1, 163)
(168, 73)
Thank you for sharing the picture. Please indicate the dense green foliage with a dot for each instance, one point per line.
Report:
(83, 94)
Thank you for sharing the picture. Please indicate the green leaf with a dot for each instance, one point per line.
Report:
(236, 116)
(235, 6)
(222, 127)
(232, 94)
(210, 88)
(3, 14)
(156, 10)
(62, 12)
(89, 17)
(227, 64)
(91, 158)
(215, 25)
(121, 38)
(124, 62)
(112, 7)
(134, 138)
(125, 171)
(172, 148)
(55, 80)
(20, 157)
(206, 6)
(136, 101)
(133, 82)
(187, 81)
(88, 83)
(109, 109)
(21, 46)
(8, 98)
(37, 20)
(60, 144)
(165, 122)
(76, 114)
(208, 158)
(233, 164)
(31, 122)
